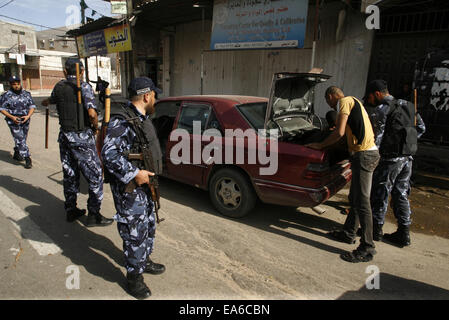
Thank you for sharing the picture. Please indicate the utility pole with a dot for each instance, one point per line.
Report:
(202, 50)
(18, 52)
(117, 68)
(19, 66)
(202, 6)
(315, 33)
(130, 54)
(83, 6)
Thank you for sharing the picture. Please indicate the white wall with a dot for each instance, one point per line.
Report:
(104, 69)
(52, 63)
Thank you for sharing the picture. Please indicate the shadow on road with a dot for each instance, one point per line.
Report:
(77, 243)
(271, 218)
(84, 185)
(339, 205)
(392, 287)
(7, 157)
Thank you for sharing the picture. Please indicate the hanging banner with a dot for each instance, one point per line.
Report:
(255, 24)
(110, 40)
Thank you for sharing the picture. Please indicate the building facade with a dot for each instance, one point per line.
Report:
(179, 59)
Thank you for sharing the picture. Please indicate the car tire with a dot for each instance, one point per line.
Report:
(231, 193)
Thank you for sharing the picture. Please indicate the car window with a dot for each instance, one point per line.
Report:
(167, 108)
(254, 113)
(191, 113)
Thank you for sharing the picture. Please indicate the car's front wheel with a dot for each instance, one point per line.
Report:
(232, 193)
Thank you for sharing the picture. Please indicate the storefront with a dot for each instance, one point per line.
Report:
(408, 52)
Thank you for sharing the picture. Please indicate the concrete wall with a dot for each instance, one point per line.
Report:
(57, 35)
(348, 60)
(186, 69)
(249, 72)
(51, 71)
(9, 39)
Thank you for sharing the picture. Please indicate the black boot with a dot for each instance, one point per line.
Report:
(401, 237)
(28, 163)
(17, 156)
(74, 214)
(97, 220)
(377, 232)
(136, 287)
(154, 268)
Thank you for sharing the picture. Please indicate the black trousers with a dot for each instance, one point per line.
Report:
(363, 165)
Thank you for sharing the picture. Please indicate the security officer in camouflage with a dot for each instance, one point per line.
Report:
(18, 106)
(392, 175)
(135, 210)
(79, 126)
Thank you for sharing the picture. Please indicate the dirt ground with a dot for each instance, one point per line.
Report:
(429, 201)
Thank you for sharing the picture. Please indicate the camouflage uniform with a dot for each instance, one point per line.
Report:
(392, 175)
(135, 211)
(18, 105)
(78, 153)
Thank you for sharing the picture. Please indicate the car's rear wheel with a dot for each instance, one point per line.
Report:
(232, 193)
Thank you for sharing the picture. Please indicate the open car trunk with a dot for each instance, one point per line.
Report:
(291, 111)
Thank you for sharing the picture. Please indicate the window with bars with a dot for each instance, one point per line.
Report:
(415, 22)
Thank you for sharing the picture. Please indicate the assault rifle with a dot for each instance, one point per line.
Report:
(153, 185)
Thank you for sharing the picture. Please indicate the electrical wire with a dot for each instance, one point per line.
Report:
(34, 24)
(6, 4)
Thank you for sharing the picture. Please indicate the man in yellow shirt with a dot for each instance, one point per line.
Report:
(353, 121)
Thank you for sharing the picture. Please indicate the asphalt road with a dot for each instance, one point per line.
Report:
(274, 253)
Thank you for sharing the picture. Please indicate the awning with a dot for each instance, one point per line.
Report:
(100, 24)
(157, 14)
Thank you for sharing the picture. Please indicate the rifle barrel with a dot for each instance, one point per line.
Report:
(47, 114)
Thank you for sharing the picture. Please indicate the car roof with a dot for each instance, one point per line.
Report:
(228, 99)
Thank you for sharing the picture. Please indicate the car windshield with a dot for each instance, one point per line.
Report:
(254, 113)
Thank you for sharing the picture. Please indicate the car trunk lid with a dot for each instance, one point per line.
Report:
(292, 93)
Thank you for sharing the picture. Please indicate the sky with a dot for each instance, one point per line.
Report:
(51, 13)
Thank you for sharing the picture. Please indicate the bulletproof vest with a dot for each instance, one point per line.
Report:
(72, 116)
(145, 135)
(400, 135)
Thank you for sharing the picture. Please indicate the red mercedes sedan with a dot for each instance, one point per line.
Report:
(242, 148)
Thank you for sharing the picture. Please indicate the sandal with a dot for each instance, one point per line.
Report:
(357, 256)
(341, 236)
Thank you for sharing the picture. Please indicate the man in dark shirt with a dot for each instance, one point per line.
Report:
(392, 175)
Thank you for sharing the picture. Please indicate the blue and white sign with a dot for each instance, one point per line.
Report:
(256, 24)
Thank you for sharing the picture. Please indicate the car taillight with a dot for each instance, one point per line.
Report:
(317, 170)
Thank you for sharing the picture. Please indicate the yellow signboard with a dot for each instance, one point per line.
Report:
(110, 40)
(118, 39)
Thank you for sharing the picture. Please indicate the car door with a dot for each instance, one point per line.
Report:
(192, 121)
